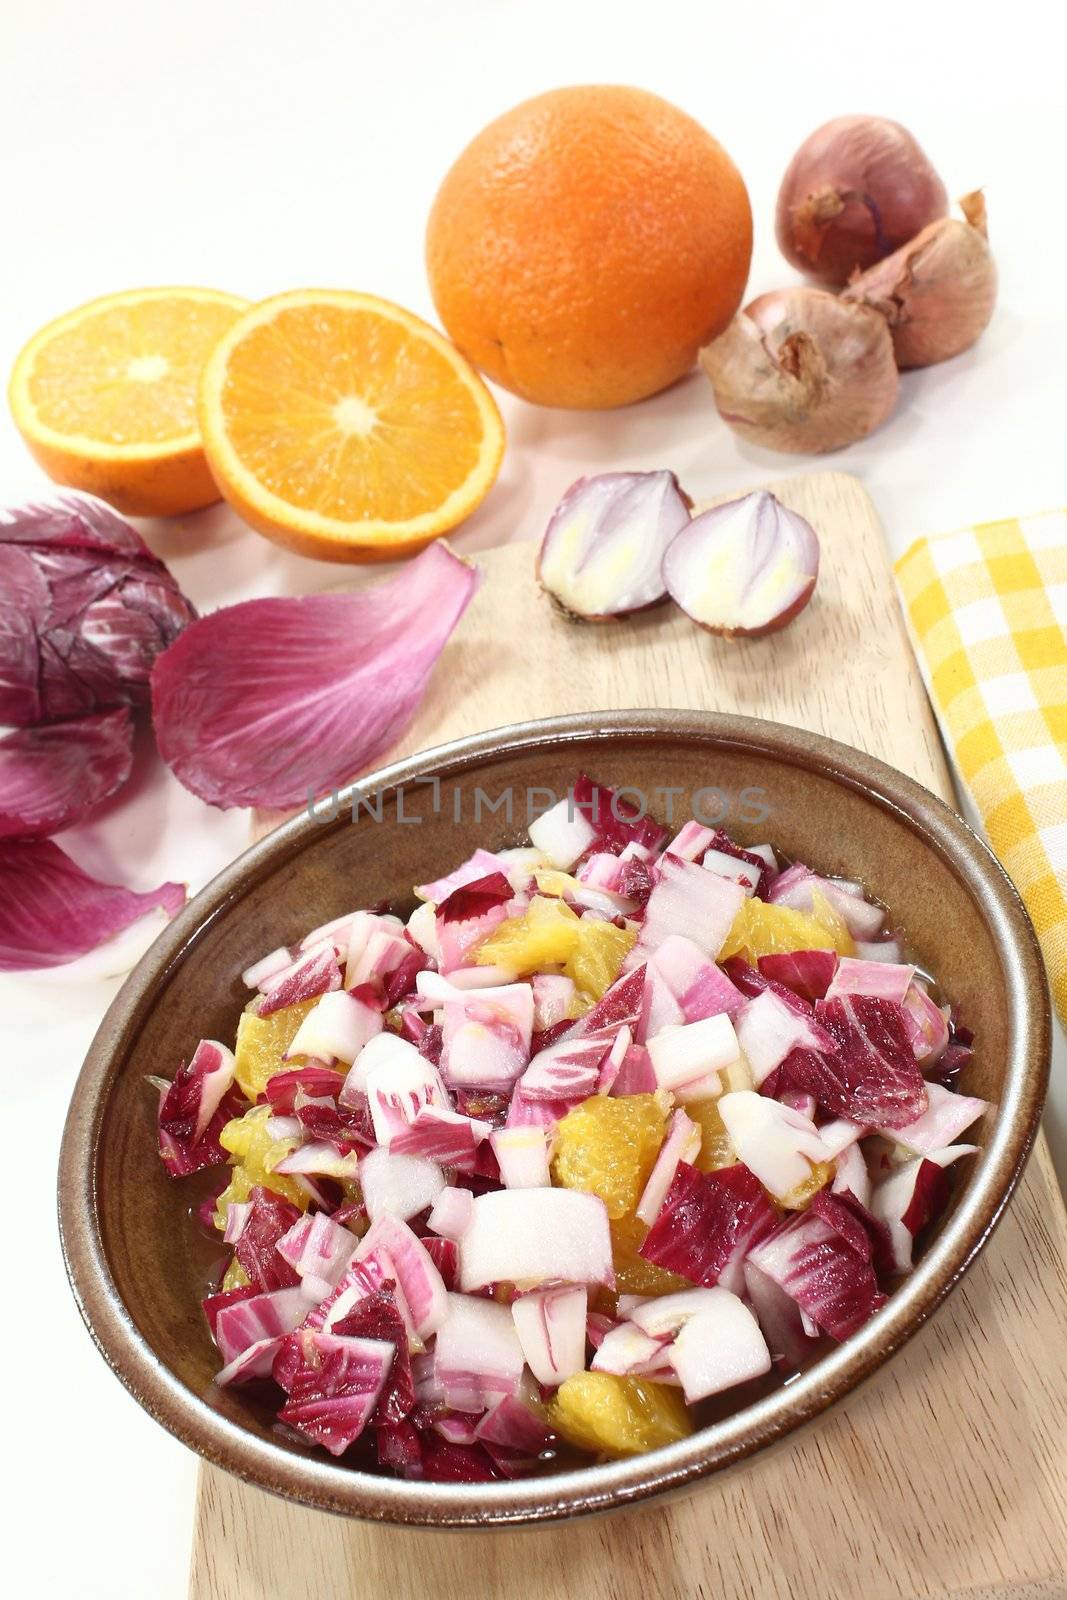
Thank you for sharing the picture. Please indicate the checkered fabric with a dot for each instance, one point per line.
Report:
(987, 609)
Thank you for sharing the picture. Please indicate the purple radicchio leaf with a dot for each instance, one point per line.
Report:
(270, 701)
(53, 775)
(85, 608)
(51, 911)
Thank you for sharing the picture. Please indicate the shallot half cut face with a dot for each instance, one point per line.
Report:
(747, 567)
(602, 554)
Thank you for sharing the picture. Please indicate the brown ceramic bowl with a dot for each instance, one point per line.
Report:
(131, 1250)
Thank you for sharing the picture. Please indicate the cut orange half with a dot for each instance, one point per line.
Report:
(344, 427)
(105, 397)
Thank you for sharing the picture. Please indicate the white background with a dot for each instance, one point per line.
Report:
(256, 146)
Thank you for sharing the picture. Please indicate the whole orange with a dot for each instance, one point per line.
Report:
(587, 243)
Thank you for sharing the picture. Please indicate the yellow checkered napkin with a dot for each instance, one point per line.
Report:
(988, 611)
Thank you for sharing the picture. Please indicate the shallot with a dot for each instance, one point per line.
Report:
(802, 371)
(603, 548)
(856, 189)
(747, 567)
(936, 293)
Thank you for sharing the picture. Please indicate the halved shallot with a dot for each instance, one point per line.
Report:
(747, 567)
(603, 549)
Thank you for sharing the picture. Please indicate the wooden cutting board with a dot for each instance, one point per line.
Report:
(947, 1474)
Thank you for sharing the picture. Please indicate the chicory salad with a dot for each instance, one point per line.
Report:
(611, 1133)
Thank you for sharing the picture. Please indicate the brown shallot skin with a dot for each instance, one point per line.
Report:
(801, 371)
(857, 189)
(938, 292)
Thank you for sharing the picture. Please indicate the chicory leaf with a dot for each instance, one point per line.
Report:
(52, 775)
(52, 912)
(85, 608)
(270, 701)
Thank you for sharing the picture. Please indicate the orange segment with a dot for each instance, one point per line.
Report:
(345, 427)
(613, 1417)
(760, 929)
(607, 1146)
(105, 397)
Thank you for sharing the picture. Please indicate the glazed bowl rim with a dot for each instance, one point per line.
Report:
(328, 1485)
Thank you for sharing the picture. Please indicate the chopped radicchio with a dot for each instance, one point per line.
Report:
(313, 1081)
(862, 1232)
(872, 1076)
(700, 988)
(269, 1221)
(378, 1317)
(690, 901)
(832, 1283)
(753, 981)
(956, 1056)
(468, 916)
(474, 899)
(313, 974)
(317, 1246)
(214, 1303)
(444, 1253)
(251, 1315)
(195, 1108)
(616, 821)
(443, 1462)
(808, 973)
(620, 1006)
(707, 1221)
(333, 1383)
(761, 873)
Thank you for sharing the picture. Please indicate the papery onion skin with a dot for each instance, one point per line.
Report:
(267, 702)
(938, 292)
(799, 371)
(769, 542)
(51, 911)
(85, 608)
(52, 775)
(591, 526)
(856, 190)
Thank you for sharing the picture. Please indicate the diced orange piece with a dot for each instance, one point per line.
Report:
(715, 1148)
(262, 1043)
(608, 1146)
(760, 929)
(612, 1416)
(633, 1274)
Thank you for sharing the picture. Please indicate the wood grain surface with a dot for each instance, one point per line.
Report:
(946, 1475)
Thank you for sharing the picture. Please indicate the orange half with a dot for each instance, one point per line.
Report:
(105, 397)
(344, 427)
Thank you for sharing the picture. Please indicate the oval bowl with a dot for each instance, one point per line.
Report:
(126, 1234)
